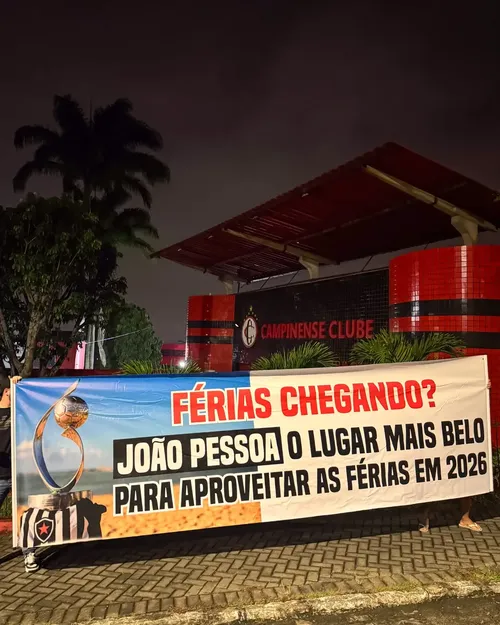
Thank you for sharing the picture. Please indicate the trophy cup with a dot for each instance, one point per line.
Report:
(70, 412)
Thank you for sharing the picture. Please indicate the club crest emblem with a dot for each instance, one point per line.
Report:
(44, 529)
(249, 329)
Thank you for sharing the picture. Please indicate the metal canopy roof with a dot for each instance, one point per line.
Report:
(366, 207)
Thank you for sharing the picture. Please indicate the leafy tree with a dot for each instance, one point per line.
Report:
(136, 337)
(55, 272)
(94, 154)
(144, 367)
(309, 355)
(387, 347)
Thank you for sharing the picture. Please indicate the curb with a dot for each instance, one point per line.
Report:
(320, 606)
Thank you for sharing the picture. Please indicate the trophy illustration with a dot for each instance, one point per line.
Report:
(70, 413)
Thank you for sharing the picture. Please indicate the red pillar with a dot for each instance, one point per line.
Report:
(210, 330)
(452, 289)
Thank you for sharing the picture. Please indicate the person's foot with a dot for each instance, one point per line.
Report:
(467, 523)
(31, 564)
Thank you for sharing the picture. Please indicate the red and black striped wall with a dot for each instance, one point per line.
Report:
(210, 330)
(451, 289)
(173, 353)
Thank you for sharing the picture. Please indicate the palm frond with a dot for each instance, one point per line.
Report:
(132, 241)
(119, 108)
(147, 165)
(137, 219)
(126, 228)
(387, 347)
(34, 135)
(146, 231)
(69, 115)
(136, 187)
(141, 367)
(32, 168)
(112, 200)
(310, 355)
(47, 152)
(127, 237)
(436, 343)
(117, 118)
(139, 134)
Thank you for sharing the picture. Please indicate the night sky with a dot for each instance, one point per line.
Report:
(253, 97)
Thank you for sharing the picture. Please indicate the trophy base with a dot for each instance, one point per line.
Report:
(59, 501)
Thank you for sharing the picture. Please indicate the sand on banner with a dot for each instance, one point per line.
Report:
(173, 520)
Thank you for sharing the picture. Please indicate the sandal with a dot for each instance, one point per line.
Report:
(473, 527)
(423, 529)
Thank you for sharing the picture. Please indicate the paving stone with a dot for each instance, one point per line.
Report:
(349, 553)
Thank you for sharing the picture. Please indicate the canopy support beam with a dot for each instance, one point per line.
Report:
(468, 229)
(462, 220)
(228, 283)
(311, 266)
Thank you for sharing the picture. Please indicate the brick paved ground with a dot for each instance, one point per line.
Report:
(136, 576)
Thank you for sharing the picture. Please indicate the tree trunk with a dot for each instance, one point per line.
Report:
(87, 196)
(9, 345)
(100, 345)
(31, 345)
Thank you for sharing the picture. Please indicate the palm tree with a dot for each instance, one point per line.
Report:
(310, 355)
(96, 154)
(387, 347)
(146, 367)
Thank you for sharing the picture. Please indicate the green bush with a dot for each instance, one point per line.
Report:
(6, 509)
(496, 470)
(310, 355)
(389, 347)
(147, 367)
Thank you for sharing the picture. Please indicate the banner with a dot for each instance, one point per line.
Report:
(109, 457)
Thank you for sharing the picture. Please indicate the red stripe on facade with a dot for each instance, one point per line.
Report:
(446, 273)
(449, 323)
(211, 308)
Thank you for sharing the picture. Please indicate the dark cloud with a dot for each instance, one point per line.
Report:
(254, 97)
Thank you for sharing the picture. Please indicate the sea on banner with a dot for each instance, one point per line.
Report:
(139, 455)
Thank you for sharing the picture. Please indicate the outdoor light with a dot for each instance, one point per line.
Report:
(182, 364)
